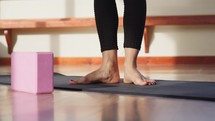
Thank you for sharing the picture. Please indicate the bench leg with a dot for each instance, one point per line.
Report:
(146, 39)
(8, 37)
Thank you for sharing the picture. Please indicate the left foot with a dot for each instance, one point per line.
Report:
(132, 75)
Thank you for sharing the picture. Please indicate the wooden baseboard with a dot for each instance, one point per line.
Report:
(141, 60)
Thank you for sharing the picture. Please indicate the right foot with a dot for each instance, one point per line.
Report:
(107, 73)
(102, 75)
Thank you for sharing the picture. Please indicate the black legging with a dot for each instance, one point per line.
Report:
(107, 23)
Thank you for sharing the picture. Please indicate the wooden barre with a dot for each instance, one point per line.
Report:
(9, 25)
(90, 22)
(47, 23)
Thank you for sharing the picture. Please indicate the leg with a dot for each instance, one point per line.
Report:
(107, 24)
(134, 22)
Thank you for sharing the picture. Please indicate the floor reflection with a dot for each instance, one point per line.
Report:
(110, 109)
(137, 109)
(126, 108)
(32, 107)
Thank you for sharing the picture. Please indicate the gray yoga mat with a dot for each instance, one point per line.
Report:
(164, 88)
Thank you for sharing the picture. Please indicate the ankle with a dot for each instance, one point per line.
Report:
(129, 66)
(130, 58)
(109, 59)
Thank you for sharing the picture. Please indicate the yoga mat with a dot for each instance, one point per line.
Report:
(164, 88)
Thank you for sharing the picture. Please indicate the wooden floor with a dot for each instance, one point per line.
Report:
(88, 106)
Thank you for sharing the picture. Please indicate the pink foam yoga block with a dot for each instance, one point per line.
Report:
(32, 72)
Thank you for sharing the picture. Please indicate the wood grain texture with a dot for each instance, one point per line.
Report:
(180, 20)
(141, 60)
(50, 23)
(90, 22)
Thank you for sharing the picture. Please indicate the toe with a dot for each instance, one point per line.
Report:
(149, 81)
(80, 81)
(73, 82)
(153, 82)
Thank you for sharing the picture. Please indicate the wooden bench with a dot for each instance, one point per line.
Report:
(9, 25)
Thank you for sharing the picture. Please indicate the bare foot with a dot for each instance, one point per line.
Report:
(107, 73)
(103, 75)
(132, 75)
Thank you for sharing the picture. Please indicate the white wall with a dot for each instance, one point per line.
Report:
(166, 41)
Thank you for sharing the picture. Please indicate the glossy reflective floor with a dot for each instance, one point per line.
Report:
(87, 106)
